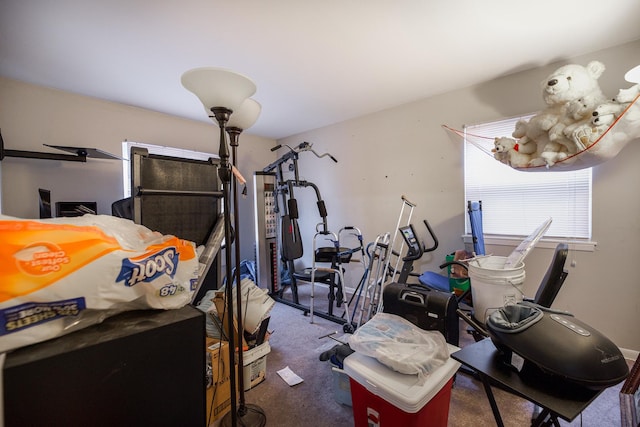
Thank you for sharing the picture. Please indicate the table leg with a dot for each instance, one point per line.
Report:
(541, 419)
(492, 399)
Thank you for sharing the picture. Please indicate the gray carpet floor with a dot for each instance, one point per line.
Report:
(296, 343)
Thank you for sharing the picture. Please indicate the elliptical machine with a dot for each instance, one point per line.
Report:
(427, 308)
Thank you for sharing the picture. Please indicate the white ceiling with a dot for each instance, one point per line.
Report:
(314, 63)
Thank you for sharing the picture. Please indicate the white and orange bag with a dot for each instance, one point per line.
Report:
(63, 274)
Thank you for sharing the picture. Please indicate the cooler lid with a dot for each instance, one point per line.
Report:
(401, 390)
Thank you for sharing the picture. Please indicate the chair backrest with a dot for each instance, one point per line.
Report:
(475, 219)
(122, 208)
(554, 277)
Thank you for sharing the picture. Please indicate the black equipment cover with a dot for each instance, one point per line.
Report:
(291, 240)
(429, 309)
(557, 344)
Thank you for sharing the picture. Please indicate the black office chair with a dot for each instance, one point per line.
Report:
(545, 295)
(122, 208)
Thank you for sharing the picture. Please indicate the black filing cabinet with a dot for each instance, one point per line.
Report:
(138, 368)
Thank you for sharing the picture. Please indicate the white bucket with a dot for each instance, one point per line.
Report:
(493, 286)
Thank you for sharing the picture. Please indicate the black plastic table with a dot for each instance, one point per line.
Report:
(556, 397)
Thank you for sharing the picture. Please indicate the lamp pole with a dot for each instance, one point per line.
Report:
(251, 415)
(224, 173)
(234, 134)
(229, 93)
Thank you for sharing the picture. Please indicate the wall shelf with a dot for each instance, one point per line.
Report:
(80, 154)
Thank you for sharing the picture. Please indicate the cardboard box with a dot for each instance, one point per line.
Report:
(255, 365)
(219, 302)
(219, 388)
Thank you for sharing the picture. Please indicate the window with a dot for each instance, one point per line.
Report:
(515, 203)
(155, 149)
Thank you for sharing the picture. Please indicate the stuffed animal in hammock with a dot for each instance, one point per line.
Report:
(603, 116)
(569, 83)
(507, 150)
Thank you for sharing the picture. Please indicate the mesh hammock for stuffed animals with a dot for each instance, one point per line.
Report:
(601, 146)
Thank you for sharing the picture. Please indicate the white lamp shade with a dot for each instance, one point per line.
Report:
(218, 87)
(633, 75)
(245, 116)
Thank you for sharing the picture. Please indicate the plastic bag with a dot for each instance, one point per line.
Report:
(63, 274)
(256, 304)
(400, 345)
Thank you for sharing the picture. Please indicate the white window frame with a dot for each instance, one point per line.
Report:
(156, 149)
(564, 196)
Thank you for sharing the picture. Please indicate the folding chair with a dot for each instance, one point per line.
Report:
(477, 232)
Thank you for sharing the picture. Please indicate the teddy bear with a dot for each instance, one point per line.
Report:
(581, 111)
(507, 150)
(526, 145)
(566, 85)
(602, 117)
(606, 114)
(628, 95)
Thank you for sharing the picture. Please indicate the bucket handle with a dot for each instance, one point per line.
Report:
(516, 288)
(513, 285)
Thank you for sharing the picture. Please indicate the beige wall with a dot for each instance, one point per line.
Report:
(31, 116)
(380, 157)
(405, 151)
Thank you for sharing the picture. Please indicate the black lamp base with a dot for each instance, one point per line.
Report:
(252, 415)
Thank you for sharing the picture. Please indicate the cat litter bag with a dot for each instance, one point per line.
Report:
(400, 345)
(63, 274)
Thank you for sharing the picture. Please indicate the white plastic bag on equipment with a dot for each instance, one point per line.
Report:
(400, 345)
(256, 304)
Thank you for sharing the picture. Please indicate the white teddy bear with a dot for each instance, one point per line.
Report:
(526, 144)
(507, 150)
(568, 84)
(581, 111)
(606, 114)
(629, 94)
(602, 117)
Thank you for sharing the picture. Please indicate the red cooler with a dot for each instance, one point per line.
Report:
(383, 397)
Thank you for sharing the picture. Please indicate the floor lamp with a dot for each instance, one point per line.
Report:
(243, 118)
(222, 92)
(633, 75)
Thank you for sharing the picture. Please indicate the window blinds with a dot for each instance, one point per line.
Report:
(514, 202)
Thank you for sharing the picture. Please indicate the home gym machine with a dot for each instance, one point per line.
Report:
(279, 242)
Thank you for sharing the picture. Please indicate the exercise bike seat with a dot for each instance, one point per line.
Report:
(333, 255)
(435, 280)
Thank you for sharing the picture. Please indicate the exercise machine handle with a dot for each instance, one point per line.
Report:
(450, 263)
(433, 237)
